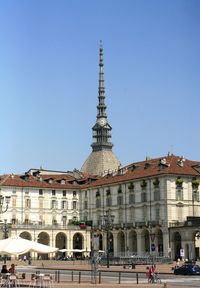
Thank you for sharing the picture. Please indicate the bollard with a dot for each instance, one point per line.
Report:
(137, 278)
(58, 276)
(119, 277)
(79, 277)
(72, 276)
(165, 285)
(99, 277)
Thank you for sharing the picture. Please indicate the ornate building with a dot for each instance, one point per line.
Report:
(154, 203)
(102, 159)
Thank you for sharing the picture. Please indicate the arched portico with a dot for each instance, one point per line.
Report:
(61, 243)
(132, 242)
(121, 243)
(25, 235)
(43, 238)
(145, 245)
(159, 241)
(177, 245)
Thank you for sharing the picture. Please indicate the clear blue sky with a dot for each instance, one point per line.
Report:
(49, 54)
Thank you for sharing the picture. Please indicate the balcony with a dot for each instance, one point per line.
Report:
(44, 226)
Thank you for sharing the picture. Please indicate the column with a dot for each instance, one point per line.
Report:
(165, 242)
(139, 241)
(191, 246)
(115, 243)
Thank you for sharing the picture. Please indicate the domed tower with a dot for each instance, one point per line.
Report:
(102, 159)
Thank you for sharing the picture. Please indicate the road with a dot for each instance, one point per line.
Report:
(113, 277)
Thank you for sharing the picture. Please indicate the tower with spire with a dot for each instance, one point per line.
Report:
(102, 159)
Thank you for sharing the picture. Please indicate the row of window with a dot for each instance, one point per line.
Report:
(53, 192)
(156, 197)
(27, 221)
(54, 204)
(120, 199)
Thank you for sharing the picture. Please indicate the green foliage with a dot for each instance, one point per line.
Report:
(143, 184)
(179, 181)
(131, 186)
(156, 182)
(119, 190)
(195, 183)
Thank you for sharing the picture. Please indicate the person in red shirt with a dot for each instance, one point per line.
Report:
(12, 269)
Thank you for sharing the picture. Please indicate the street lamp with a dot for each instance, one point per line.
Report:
(5, 232)
(3, 209)
(7, 201)
(108, 220)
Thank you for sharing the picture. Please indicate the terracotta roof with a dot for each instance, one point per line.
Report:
(154, 167)
(34, 181)
(150, 168)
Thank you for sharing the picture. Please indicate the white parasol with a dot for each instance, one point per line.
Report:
(18, 245)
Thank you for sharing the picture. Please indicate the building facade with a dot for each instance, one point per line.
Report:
(149, 203)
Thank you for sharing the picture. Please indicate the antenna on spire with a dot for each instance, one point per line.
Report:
(101, 43)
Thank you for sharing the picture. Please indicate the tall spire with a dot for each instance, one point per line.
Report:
(102, 159)
(101, 107)
(101, 130)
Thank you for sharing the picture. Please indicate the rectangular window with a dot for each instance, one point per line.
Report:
(14, 221)
(108, 201)
(64, 193)
(143, 197)
(132, 198)
(53, 192)
(85, 193)
(64, 220)
(157, 213)
(64, 206)
(53, 204)
(85, 204)
(156, 195)
(195, 195)
(54, 222)
(74, 205)
(179, 194)
(98, 203)
(28, 203)
(40, 192)
(74, 193)
(119, 200)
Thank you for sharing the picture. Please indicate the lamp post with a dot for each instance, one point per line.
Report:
(7, 201)
(108, 220)
(3, 209)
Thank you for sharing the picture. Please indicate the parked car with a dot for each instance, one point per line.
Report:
(187, 269)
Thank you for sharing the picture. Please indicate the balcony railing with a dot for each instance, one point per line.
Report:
(44, 226)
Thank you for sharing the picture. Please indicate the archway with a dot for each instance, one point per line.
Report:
(132, 242)
(121, 243)
(25, 235)
(61, 243)
(159, 241)
(78, 244)
(43, 238)
(145, 241)
(197, 244)
(177, 245)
